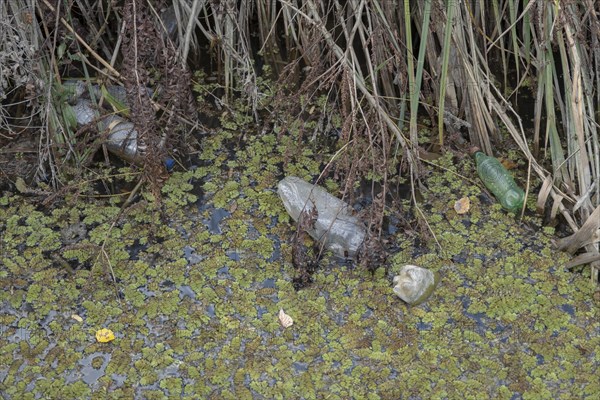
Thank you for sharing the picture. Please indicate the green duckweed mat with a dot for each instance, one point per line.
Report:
(201, 278)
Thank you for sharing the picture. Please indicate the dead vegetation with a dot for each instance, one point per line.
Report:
(382, 65)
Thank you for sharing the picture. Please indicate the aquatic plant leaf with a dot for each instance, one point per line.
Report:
(285, 320)
(105, 335)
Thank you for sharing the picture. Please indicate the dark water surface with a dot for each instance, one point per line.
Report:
(195, 305)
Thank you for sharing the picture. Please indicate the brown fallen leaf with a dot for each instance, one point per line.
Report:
(462, 206)
(508, 164)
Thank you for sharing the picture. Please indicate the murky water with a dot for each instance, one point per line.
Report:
(194, 308)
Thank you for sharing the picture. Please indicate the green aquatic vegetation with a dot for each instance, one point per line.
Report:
(214, 147)
(81, 254)
(211, 327)
(176, 190)
(269, 203)
(60, 389)
(99, 214)
(224, 195)
(262, 245)
(174, 386)
(236, 229)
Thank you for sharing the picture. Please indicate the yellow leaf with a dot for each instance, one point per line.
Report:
(285, 320)
(105, 335)
(462, 206)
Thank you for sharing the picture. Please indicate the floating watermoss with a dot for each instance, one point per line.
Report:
(506, 294)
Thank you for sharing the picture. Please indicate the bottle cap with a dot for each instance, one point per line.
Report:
(169, 163)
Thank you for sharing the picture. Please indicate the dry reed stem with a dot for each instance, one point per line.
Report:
(101, 60)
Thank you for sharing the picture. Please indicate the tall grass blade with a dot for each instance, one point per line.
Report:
(450, 11)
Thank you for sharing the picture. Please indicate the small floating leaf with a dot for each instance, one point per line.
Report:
(76, 317)
(105, 335)
(462, 206)
(285, 320)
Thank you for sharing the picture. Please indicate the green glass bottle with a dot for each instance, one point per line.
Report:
(499, 181)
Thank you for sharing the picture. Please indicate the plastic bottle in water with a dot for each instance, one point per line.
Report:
(499, 181)
(122, 139)
(335, 227)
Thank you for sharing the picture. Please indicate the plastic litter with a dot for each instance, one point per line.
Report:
(415, 284)
(499, 181)
(122, 139)
(336, 228)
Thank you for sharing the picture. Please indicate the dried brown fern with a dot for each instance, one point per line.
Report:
(146, 55)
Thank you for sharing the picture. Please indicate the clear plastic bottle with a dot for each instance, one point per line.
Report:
(499, 181)
(122, 139)
(336, 227)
